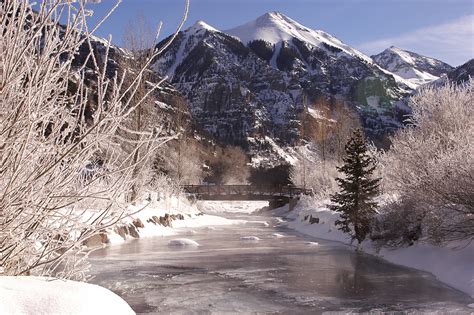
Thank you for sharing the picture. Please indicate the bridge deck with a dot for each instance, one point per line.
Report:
(251, 192)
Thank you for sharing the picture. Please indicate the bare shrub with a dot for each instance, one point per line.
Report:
(230, 166)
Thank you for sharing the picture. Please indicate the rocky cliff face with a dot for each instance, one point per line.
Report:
(233, 94)
(166, 101)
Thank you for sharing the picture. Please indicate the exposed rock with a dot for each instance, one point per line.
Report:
(97, 240)
(138, 223)
(122, 231)
(313, 220)
(133, 231)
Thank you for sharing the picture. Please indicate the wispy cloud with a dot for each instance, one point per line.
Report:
(452, 42)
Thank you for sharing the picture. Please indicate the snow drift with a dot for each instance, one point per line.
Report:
(35, 295)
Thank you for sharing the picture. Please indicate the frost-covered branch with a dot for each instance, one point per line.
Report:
(64, 173)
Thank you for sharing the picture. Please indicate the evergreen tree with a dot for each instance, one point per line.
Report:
(357, 189)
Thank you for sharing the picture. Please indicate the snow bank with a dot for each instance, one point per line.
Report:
(182, 242)
(145, 222)
(452, 264)
(35, 295)
(325, 229)
(213, 207)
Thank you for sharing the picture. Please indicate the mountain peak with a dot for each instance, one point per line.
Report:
(272, 27)
(275, 28)
(199, 26)
(272, 16)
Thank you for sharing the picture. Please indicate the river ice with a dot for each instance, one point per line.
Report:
(287, 273)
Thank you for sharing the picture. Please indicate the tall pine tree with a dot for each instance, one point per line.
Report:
(357, 189)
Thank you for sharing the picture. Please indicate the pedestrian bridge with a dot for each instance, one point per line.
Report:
(244, 192)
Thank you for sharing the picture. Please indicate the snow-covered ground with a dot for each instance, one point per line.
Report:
(35, 295)
(452, 264)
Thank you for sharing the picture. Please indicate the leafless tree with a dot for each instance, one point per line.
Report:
(63, 177)
(140, 40)
(325, 128)
(182, 161)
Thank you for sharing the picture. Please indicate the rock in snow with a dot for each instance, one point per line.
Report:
(36, 295)
(182, 242)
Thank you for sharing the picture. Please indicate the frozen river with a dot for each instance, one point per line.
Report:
(287, 273)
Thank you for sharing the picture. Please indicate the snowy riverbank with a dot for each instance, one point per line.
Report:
(452, 264)
(35, 295)
(162, 218)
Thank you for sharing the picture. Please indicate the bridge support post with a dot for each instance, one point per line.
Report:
(292, 203)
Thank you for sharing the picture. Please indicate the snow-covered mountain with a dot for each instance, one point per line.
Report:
(462, 73)
(248, 83)
(167, 102)
(415, 68)
(233, 94)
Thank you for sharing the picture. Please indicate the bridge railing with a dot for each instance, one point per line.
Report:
(242, 190)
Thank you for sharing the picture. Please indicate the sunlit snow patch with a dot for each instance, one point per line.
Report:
(249, 238)
(182, 242)
(277, 235)
(264, 223)
(312, 243)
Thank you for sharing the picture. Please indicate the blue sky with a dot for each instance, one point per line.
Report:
(443, 29)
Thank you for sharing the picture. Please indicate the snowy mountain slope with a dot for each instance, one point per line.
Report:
(286, 38)
(166, 109)
(411, 66)
(187, 41)
(248, 86)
